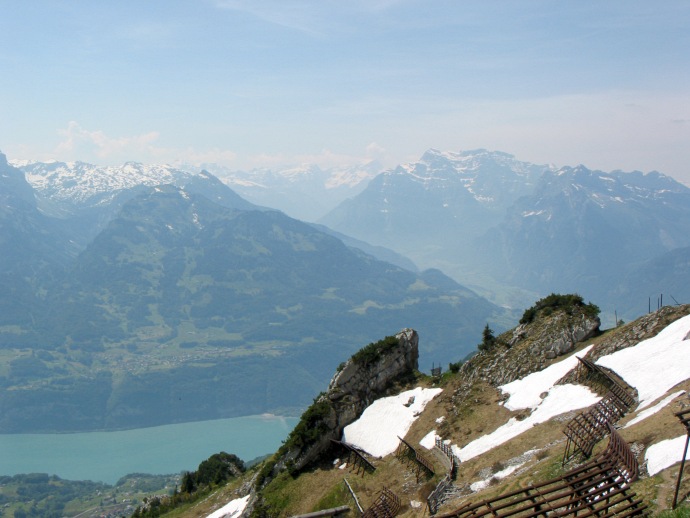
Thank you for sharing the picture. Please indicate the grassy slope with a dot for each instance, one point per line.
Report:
(477, 414)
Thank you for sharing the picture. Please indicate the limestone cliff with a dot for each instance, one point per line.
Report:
(358, 382)
(528, 347)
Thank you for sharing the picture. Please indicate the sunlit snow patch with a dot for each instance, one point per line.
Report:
(386, 419)
(482, 484)
(560, 399)
(231, 509)
(429, 440)
(663, 454)
(653, 410)
(525, 392)
(655, 365)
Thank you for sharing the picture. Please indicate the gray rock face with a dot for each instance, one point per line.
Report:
(528, 348)
(367, 381)
(569, 333)
(354, 387)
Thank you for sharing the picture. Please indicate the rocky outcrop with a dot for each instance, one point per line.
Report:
(529, 347)
(365, 381)
(358, 382)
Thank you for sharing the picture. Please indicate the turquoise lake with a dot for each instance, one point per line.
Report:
(107, 456)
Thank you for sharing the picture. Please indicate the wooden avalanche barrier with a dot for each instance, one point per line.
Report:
(684, 417)
(422, 465)
(386, 505)
(599, 488)
(355, 459)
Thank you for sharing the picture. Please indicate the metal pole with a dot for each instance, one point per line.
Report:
(680, 473)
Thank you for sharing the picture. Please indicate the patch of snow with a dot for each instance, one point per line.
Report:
(429, 440)
(653, 410)
(525, 392)
(378, 428)
(231, 509)
(559, 400)
(482, 484)
(664, 359)
(664, 454)
(439, 420)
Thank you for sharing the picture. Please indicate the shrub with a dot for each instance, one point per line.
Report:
(488, 339)
(311, 425)
(373, 352)
(556, 301)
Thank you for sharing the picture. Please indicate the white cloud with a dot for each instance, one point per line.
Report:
(78, 141)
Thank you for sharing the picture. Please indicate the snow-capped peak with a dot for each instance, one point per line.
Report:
(82, 183)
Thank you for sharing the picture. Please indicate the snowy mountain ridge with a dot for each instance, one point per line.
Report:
(82, 183)
(477, 170)
(614, 187)
(304, 191)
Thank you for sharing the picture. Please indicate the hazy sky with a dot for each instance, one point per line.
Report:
(268, 83)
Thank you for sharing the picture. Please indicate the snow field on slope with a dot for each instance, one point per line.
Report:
(526, 392)
(378, 428)
(655, 365)
(665, 361)
(653, 410)
(231, 509)
(559, 400)
(664, 454)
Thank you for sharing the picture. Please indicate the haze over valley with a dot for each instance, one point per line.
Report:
(208, 207)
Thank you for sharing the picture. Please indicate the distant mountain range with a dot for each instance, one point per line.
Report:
(305, 192)
(503, 227)
(131, 303)
(129, 295)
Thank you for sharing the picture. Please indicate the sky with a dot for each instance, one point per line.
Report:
(274, 83)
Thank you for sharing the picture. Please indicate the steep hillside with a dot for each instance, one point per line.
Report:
(415, 208)
(32, 247)
(583, 230)
(504, 427)
(86, 197)
(182, 303)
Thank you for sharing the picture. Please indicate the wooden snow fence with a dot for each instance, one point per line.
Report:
(386, 505)
(421, 464)
(589, 427)
(599, 488)
(593, 375)
(684, 418)
(445, 485)
(452, 459)
(355, 460)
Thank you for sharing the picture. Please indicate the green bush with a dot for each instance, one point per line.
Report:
(373, 352)
(454, 367)
(488, 339)
(311, 425)
(563, 302)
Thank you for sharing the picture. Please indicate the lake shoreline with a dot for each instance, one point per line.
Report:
(107, 456)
